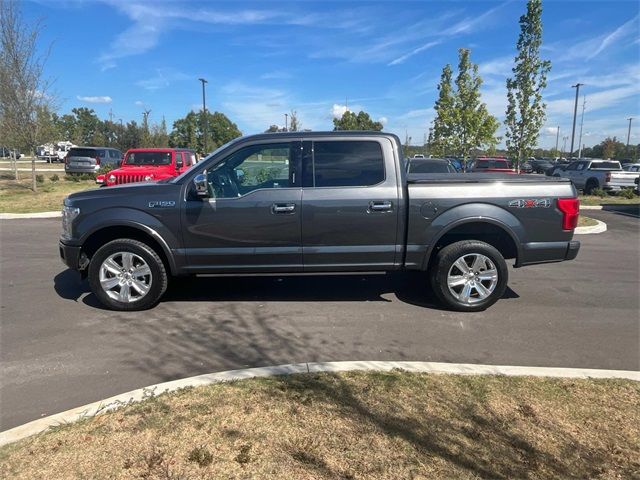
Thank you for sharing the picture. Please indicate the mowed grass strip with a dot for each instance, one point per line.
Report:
(586, 221)
(16, 196)
(608, 200)
(392, 425)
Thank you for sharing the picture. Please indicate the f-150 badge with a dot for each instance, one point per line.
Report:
(530, 203)
(162, 204)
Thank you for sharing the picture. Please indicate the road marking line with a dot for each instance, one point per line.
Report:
(117, 401)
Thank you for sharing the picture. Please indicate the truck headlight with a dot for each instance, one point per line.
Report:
(148, 178)
(112, 178)
(69, 214)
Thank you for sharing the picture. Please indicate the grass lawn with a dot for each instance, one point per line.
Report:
(17, 196)
(608, 200)
(586, 221)
(392, 425)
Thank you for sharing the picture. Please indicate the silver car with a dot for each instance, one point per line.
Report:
(90, 159)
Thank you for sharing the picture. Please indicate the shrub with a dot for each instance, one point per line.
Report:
(627, 193)
(106, 168)
(40, 178)
(72, 178)
(54, 177)
(201, 456)
(599, 192)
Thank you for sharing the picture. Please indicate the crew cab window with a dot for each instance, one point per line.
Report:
(251, 168)
(347, 164)
(572, 166)
(581, 166)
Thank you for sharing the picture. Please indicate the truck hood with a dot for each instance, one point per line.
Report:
(121, 195)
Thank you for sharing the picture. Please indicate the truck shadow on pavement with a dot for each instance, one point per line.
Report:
(408, 287)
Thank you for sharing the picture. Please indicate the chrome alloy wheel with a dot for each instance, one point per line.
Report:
(125, 277)
(472, 278)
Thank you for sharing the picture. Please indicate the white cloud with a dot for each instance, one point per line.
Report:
(276, 75)
(163, 78)
(98, 99)
(139, 103)
(383, 120)
(337, 111)
(415, 51)
(618, 34)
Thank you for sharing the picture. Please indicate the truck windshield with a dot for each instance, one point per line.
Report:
(148, 158)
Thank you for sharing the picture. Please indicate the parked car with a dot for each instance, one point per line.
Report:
(317, 202)
(90, 159)
(54, 152)
(540, 165)
(492, 165)
(430, 165)
(631, 167)
(149, 164)
(588, 175)
(6, 152)
(418, 155)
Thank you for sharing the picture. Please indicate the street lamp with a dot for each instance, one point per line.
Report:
(557, 138)
(564, 145)
(204, 116)
(628, 135)
(286, 122)
(575, 112)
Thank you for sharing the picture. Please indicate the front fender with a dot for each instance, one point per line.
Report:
(474, 213)
(129, 217)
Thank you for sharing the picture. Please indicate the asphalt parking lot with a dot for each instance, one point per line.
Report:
(59, 349)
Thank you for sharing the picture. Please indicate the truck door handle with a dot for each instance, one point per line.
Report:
(283, 208)
(384, 206)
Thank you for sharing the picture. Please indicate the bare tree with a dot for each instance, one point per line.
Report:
(25, 100)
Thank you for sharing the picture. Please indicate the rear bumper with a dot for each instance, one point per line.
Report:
(83, 169)
(547, 252)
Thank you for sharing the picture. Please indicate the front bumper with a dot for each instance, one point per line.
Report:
(548, 252)
(71, 256)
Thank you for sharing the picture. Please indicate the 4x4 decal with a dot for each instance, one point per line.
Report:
(530, 203)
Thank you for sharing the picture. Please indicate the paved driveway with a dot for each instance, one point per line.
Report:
(59, 349)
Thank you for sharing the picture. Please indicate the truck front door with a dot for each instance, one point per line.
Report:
(251, 222)
(350, 204)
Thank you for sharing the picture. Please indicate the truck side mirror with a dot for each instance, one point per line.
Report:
(179, 164)
(201, 185)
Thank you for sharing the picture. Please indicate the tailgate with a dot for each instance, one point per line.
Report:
(624, 179)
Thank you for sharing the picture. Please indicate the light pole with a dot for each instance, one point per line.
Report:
(584, 103)
(564, 145)
(204, 116)
(286, 122)
(575, 112)
(557, 138)
(628, 134)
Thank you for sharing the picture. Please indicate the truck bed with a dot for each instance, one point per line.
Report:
(481, 178)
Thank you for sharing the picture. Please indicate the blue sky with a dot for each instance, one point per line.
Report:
(263, 59)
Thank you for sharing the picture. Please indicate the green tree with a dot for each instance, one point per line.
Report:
(350, 121)
(159, 136)
(474, 127)
(441, 134)
(86, 127)
(274, 129)
(525, 109)
(187, 131)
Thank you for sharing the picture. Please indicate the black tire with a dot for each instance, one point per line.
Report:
(590, 186)
(443, 264)
(159, 278)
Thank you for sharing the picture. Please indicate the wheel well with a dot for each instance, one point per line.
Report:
(489, 233)
(593, 180)
(105, 235)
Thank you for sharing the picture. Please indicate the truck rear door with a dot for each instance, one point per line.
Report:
(350, 204)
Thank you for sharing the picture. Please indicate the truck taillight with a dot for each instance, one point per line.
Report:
(570, 208)
(98, 161)
(66, 159)
(607, 177)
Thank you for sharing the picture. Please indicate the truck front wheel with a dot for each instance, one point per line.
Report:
(127, 275)
(469, 276)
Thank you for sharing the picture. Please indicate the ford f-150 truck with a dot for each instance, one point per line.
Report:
(587, 175)
(317, 202)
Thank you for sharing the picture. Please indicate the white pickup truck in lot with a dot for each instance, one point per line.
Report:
(588, 175)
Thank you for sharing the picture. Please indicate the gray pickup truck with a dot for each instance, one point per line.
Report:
(317, 202)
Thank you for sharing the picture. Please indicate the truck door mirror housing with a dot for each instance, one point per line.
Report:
(179, 164)
(201, 185)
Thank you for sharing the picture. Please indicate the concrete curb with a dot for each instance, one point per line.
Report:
(117, 401)
(599, 228)
(17, 216)
(590, 207)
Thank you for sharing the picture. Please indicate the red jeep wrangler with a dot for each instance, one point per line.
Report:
(149, 165)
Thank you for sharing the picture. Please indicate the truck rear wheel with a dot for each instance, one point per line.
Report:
(127, 275)
(469, 276)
